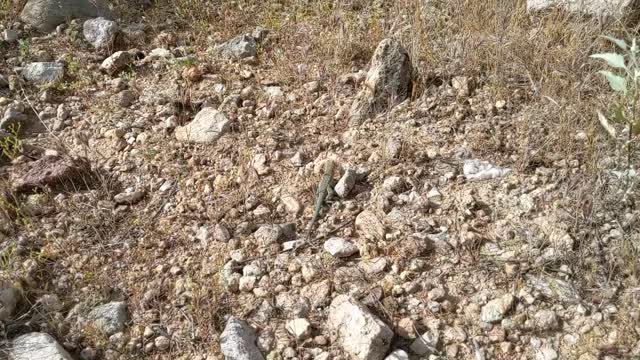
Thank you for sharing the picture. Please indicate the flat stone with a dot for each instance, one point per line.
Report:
(300, 328)
(129, 198)
(339, 247)
(425, 344)
(207, 127)
(37, 345)
(55, 172)
(240, 47)
(109, 318)
(45, 15)
(43, 72)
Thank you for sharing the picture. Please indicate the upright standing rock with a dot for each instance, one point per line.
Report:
(37, 346)
(45, 15)
(361, 334)
(238, 341)
(388, 81)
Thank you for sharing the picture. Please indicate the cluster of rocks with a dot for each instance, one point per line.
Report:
(385, 275)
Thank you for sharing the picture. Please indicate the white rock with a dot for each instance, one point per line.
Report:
(398, 355)
(393, 184)
(300, 328)
(346, 183)
(616, 8)
(247, 283)
(207, 127)
(43, 72)
(100, 32)
(495, 309)
(361, 334)
(545, 320)
(546, 353)
(238, 341)
(339, 247)
(477, 170)
(35, 345)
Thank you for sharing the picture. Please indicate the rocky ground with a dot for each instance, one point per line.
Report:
(158, 178)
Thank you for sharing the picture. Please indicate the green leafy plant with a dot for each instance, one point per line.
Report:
(24, 48)
(624, 79)
(11, 145)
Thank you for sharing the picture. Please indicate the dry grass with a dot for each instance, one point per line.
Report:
(537, 62)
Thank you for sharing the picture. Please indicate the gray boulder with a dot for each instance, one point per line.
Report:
(238, 341)
(43, 72)
(207, 127)
(37, 346)
(45, 15)
(100, 32)
(240, 47)
(361, 334)
(388, 81)
(109, 318)
(615, 8)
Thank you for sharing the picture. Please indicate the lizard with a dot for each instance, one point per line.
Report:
(324, 189)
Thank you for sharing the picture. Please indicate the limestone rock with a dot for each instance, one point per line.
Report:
(238, 341)
(207, 127)
(388, 81)
(100, 32)
(615, 8)
(495, 309)
(339, 247)
(43, 72)
(36, 345)
(361, 334)
(300, 328)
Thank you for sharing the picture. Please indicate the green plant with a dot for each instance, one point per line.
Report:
(24, 48)
(625, 81)
(10, 144)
